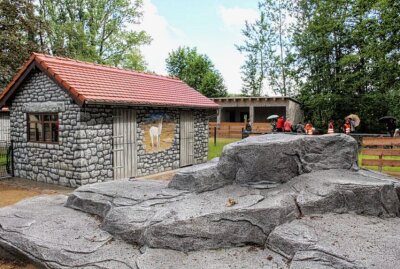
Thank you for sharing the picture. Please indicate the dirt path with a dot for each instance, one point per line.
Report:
(15, 190)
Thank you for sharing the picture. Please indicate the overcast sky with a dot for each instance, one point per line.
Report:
(213, 26)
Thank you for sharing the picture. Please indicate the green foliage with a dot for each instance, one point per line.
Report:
(95, 30)
(257, 50)
(348, 54)
(197, 71)
(89, 30)
(267, 48)
(21, 34)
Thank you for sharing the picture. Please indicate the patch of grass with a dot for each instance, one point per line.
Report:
(385, 168)
(3, 160)
(215, 150)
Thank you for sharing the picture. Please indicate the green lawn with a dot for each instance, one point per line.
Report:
(3, 160)
(215, 151)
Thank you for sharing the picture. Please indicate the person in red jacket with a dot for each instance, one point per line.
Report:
(331, 128)
(287, 126)
(347, 127)
(279, 124)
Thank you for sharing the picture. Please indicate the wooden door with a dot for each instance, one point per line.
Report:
(186, 138)
(124, 143)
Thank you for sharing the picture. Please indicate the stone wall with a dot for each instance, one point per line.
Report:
(84, 152)
(201, 136)
(93, 152)
(51, 163)
(294, 112)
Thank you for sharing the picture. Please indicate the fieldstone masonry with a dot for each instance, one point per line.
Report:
(201, 137)
(84, 152)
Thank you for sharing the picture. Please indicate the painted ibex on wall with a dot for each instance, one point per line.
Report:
(155, 134)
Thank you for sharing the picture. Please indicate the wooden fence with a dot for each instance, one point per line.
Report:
(234, 129)
(382, 152)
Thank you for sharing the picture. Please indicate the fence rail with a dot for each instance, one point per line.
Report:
(384, 151)
(234, 129)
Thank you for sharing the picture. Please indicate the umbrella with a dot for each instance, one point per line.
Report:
(355, 119)
(272, 117)
(386, 119)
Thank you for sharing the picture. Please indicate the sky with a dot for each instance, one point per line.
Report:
(213, 26)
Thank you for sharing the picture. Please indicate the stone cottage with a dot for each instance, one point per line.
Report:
(74, 123)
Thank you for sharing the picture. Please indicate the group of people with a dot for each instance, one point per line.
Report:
(282, 125)
(286, 126)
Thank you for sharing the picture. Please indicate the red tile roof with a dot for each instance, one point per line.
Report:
(92, 83)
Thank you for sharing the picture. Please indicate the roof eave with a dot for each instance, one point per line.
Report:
(132, 104)
(28, 67)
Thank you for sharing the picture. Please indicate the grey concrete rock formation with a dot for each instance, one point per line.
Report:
(232, 258)
(339, 241)
(275, 159)
(321, 213)
(53, 236)
(99, 198)
(189, 221)
(199, 178)
(268, 161)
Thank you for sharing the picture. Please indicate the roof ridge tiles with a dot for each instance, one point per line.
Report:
(147, 74)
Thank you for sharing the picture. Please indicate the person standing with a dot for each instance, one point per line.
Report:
(309, 128)
(391, 126)
(331, 128)
(347, 127)
(300, 128)
(279, 124)
(273, 123)
(287, 126)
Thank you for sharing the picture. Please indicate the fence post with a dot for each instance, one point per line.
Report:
(215, 136)
(12, 158)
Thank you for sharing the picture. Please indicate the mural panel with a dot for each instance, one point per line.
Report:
(159, 132)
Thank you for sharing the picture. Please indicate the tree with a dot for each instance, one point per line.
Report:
(268, 50)
(95, 30)
(21, 34)
(257, 50)
(349, 54)
(196, 70)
